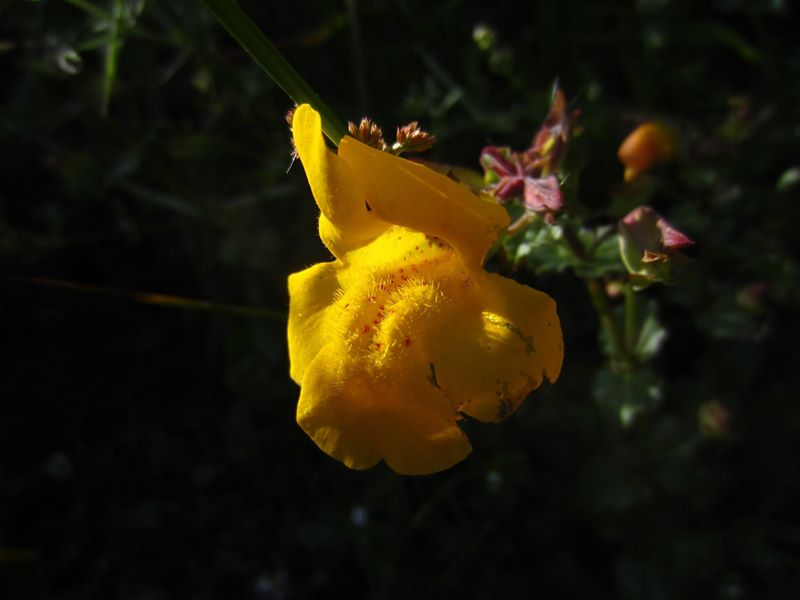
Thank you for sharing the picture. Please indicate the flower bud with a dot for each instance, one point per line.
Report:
(543, 194)
(648, 145)
(550, 141)
(649, 245)
(367, 132)
(503, 169)
(714, 419)
(410, 138)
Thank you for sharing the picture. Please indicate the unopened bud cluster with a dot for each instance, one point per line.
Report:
(409, 138)
(530, 175)
(367, 132)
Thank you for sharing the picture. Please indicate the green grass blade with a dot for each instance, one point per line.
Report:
(242, 28)
(163, 300)
(112, 55)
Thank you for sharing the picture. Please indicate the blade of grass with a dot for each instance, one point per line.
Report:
(250, 37)
(160, 299)
(112, 56)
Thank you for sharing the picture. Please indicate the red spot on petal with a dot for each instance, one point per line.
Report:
(378, 346)
(407, 341)
(346, 305)
(382, 307)
(366, 329)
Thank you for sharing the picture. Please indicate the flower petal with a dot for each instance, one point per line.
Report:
(490, 358)
(312, 292)
(543, 194)
(347, 221)
(359, 417)
(409, 194)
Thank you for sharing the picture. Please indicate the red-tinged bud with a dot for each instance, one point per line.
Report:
(650, 144)
(543, 195)
(649, 245)
(614, 289)
(529, 175)
(499, 162)
(715, 420)
(510, 187)
(672, 239)
(550, 141)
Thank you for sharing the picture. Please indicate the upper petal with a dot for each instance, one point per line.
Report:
(347, 222)
(409, 194)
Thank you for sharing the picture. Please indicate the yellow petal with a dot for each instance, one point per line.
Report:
(487, 340)
(312, 293)
(409, 194)
(495, 346)
(348, 222)
(359, 417)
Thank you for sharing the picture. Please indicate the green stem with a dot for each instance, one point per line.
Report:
(520, 224)
(621, 352)
(575, 244)
(631, 333)
(250, 37)
(603, 309)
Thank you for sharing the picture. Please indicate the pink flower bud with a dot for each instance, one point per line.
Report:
(543, 195)
(649, 245)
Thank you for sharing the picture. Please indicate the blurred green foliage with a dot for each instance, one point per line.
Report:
(151, 453)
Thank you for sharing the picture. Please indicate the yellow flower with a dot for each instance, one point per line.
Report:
(405, 331)
(649, 144)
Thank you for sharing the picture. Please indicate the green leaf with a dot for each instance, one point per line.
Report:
(627, 394)
(544, 249)
(651, 337)
(604, 256)
(788, 179)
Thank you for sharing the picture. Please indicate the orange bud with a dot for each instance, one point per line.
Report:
(649, 144)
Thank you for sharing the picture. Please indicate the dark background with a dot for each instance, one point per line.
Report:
(151, 452)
